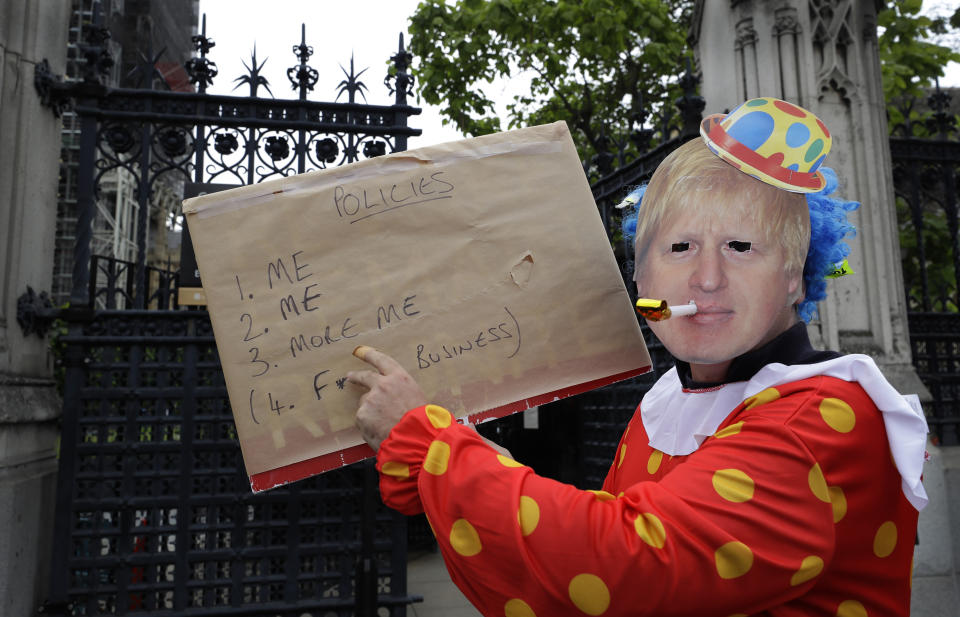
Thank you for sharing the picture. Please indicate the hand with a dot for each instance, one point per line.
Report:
(391, 392)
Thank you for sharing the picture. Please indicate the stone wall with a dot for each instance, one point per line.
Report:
(30, 31)
(822, 55)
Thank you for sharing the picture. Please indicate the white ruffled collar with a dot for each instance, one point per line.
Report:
(677, 421)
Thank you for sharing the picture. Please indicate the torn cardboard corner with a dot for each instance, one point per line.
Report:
(481, 266)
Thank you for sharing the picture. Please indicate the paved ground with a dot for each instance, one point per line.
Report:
(936, 588)
(427, 576)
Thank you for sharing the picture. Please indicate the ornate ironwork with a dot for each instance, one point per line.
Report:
(941, 122)
(97, 59)
(216, 138)
(925, 182)
(253, 78)
(34, 312)
(201, 70)
(112, 284)
(303, 77)
(47, 83)
(398, 80)
(154, 510)
(352, 84)
(925, 153)
(935, 346)
(690, 104)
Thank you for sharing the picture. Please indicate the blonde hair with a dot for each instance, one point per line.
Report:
(692, 181)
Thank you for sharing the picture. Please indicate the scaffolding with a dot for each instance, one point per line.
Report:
(117, 207)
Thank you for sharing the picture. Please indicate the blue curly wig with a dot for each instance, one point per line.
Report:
(828, 228)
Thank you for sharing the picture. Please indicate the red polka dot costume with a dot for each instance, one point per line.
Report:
(790, 489)
(792, 505)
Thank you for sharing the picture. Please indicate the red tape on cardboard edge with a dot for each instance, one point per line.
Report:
(298, 471)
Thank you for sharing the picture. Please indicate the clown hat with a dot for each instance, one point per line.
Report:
(772, 140)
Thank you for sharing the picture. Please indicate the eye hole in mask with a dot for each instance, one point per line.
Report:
(739, 246)
(679, 247)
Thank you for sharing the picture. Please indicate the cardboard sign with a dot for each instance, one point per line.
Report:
(481, 266)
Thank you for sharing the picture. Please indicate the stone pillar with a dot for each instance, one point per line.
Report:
(29, 407)
(822, 55)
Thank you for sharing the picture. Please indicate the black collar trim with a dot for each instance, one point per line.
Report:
(791, 347)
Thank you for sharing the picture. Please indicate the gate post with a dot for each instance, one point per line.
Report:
(822, 54)
(31, 33)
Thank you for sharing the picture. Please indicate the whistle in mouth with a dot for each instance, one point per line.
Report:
(657, 310)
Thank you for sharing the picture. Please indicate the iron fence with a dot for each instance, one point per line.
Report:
(112, 284)
(155, 514)
(154, 511)
(926, 160)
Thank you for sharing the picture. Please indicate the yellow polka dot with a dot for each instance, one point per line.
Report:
(810, 568)
(731, 430)
(818, 484)
(733, 559)
(517, 608)
(396, 470)
(589, 594)
(528, 515)
(464, 538)
(506, 461)
(437, 458)
(837, 414)
(438, 416)
(851, 608)
(885, 539)
(733, 485)
(603, 495)
(650, 530)
(623, 453)
(765, 396)
(653, 463)
(839, 502)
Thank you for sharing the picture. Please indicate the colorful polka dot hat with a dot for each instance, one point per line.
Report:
(772, 140)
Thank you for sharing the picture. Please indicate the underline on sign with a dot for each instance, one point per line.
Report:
(412, 203)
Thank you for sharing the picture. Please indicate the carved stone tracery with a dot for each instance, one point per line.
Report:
(786, 22)
(831, 22)
(787, 33)
(746, 34)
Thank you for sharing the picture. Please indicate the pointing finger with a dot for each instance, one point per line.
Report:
(367, 379)
(379, 360)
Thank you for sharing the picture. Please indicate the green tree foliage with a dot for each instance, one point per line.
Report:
(937, 249)
(910, 57)
(914, 48)
(586, 61)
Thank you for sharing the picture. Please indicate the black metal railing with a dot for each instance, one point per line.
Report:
(154, 511)
(155, 514)
(926, 161)
(112, 283)
(160, 136)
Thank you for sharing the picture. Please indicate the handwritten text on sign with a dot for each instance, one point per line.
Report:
(481, 266)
